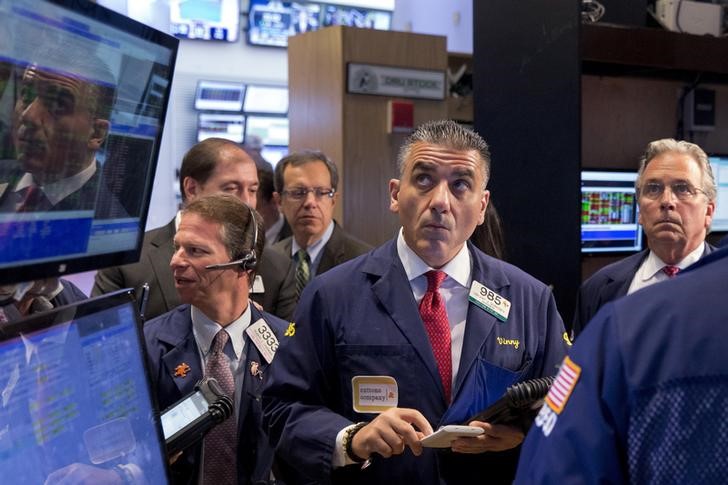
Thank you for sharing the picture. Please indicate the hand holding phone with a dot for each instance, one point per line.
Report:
(447, 434)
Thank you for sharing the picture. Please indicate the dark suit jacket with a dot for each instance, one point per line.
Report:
(92, 195)
(171, 342)
(279, 297)
(607, 284)
(341, 247)
(361, 319)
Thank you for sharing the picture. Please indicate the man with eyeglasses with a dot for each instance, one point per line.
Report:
(676, 192)
(306, 184)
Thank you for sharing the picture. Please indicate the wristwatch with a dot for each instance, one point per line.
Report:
(349, 438)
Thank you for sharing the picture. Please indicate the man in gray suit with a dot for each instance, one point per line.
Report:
(212, 166)
(306, 184)
(676, 192)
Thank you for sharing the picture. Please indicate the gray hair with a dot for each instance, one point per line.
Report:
(658, 147)
(451, 135)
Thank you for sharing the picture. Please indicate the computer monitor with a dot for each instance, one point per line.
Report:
(273, 155)
(266, 99)
(719, 164)
(228, 126)
(76, 391)
(83, 98)
(272, 130)
(609, 212)
(357, 17)
(219, 96)
(205, 19)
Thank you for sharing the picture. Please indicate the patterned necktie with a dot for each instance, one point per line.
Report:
(303, 270)
(220, 466)
(434, 316)
(31, 199)
(670, 270)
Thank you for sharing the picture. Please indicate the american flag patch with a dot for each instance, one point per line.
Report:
(563, 385)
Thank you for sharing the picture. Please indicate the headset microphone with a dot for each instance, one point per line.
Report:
(249, 260)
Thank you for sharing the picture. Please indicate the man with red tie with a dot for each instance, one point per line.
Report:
(424, 331)
(676, 192)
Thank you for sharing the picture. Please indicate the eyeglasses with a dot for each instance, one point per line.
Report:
(682, 190)
(300, 193)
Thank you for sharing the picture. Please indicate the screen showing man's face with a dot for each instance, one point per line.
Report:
(53, 126)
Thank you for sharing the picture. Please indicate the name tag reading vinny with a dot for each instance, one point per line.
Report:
(490, 301)
(264, 339)
(374, 394)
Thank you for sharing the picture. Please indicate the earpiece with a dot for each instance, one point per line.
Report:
(249, 260)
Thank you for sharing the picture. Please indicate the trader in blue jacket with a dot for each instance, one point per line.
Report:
(423, 331)
(216, 249)
(642, 396)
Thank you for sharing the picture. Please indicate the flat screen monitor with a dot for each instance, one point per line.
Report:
(205, 19)
(719, 164)
(609, 212)
(273, 155)
(356, 17)
(272, 130)
(266, 99)
(76, 391)
(228, 126)
(219, 96)
(83, 100)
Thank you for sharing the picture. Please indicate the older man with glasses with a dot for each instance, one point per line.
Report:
(676, 192)
(306, 184)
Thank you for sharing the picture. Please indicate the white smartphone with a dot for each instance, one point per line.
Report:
(447, 434)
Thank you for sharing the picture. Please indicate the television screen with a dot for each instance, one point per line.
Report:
(272, 130)
(719, 164)
(205, 19)
(273, 155)
(228, 126)
(76, 393)
(270, 22)
(609, 212)
(219, 96)
(357, 17)
(83, 97)
(266, 99)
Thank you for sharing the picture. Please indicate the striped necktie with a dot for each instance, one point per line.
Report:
(303, 270)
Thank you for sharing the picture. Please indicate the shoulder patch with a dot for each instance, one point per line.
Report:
(563, 385)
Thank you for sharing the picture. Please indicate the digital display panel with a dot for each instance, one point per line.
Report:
(219, 96)
(205, 19)
(83, 98)
(719, 164)
(266, 99)
(228, 126)
(609, 212)
(271, 130)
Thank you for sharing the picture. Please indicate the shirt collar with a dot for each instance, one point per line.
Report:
(205, 330)
(314, 249)
(459, 268)
(653, 264)
(57, 191)
(273, 230)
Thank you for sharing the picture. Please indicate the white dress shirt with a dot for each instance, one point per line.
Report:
(650, 271)
(315, 250)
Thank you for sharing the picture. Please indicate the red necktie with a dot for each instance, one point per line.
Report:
(31, 199)
(221, 442)
(434, 316)
(670, 270)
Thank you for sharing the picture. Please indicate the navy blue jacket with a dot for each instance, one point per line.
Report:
(361, 318)
(649, 401)
(608, 284)
(170, 342)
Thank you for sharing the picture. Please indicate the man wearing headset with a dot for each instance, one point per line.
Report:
(216, 332)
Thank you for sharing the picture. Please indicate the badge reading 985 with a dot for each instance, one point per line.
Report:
(264, 339)
(490, 301)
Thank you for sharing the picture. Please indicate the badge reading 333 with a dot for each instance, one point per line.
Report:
(264, 339)
(490, 301)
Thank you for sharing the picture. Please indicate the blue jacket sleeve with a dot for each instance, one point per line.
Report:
(582, 441)
(299, 399)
